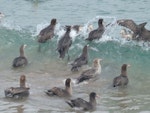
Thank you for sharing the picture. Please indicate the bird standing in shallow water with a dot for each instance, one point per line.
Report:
(97, 33)
(81, 60)
(122, 79)
(48, 32)
(90, 73)
(18, 92)
(64, 43)
(80, 103)
(21, 60)
(56, 91)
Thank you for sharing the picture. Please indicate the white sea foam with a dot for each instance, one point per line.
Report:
(107, 36)
(11, 25)
(39, 27)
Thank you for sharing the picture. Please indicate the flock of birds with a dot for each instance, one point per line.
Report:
(137, 32)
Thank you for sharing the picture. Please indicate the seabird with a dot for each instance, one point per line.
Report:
(122, 79)
(77, 28)
(48, 32)
(21, 60)
(90, 28)
(97, 33)
(80, 103)
(67, 92)
(81, 60)
(90, 73)
(18, 92)
(127, 35)
(64, 43)
(140, 32)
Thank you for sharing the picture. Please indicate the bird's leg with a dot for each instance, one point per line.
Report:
(68, 56)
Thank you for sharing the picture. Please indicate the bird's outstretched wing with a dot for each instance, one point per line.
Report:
(128, 23)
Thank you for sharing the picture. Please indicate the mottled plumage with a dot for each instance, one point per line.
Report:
(21, 60)
(80, 103)
(90, 73)
(47, 33)
(81, 60)
(18, 92)
(97, 33)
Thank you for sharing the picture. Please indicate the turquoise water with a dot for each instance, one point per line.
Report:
(23, 21)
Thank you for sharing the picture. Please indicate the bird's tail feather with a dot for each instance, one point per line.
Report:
(49, 92)
(70, 104)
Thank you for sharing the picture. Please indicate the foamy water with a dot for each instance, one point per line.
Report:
(25, 19)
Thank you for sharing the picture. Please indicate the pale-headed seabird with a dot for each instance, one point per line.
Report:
(80, 103)
(81, 60)
(21, 60)
(79, 28)
(48, 32)
(122, 79)
(90, 73)
(126, 34)
(97, 33)
(56, 91)
(18, 92)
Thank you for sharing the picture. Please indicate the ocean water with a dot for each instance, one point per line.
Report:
(23, 21)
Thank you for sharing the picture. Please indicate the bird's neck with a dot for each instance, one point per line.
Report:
(22, 84)
(124, 73)
(69, 90)
(21, 52)
(68, 31)
(100, 26)
(93, 101)
(97, 68)
(52, 26)
(84, 53)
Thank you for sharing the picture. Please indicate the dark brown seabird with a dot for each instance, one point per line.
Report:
(81, 60)
(18, 92)
(48, 32)
(56, 91)
(90, 73)
(64, 43)
(140, 32)
(80, 103)
(21, 60)
(122, 79)
(97, 33)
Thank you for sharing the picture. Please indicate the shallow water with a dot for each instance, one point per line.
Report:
(23, 21)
